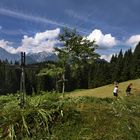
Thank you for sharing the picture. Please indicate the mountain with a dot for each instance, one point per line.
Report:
(33, 57)
(30, 58)
(40, 57)
(6, 55)
(101, 61)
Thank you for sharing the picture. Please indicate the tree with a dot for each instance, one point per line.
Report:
(53, 71)
(77, 51)
(127, 65)
(136, 61)
(117, 66)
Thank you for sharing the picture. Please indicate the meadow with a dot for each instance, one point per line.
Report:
(107, 91)
(49, 116)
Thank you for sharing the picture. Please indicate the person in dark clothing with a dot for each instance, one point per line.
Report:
(128, 89)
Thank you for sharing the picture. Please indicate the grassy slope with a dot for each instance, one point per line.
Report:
(82, 118)
(100, 119)
(106, 91)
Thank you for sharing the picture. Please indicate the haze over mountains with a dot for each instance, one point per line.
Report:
(31, 57)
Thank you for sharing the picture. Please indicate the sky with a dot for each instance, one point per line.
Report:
(34, 25)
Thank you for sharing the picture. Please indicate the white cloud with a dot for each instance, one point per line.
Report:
(104, 41)
(7, 46)
(106, 57)
(0, 27)
(133, 40)
(44, 41)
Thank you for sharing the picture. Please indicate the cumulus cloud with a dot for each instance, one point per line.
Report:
(7, 46)
(44, 41)
(133, 40)
(103, 40)
(106, 57)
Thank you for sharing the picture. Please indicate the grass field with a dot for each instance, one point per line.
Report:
(49, 117)
(107, 91)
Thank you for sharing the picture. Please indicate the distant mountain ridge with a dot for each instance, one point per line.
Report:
(30, 58)
(9, 56)
(41, 57)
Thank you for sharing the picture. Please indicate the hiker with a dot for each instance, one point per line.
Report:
(128, 89)
(115, 91)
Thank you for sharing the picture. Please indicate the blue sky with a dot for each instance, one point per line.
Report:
(24, 24)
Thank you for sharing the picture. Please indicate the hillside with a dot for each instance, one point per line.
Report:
(50, 117)
(106, 91)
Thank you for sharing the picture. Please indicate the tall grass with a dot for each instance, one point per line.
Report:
(32, 122)
(48, 116)
(102, 119)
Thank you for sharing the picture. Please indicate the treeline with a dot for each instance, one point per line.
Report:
(122, 67)
(79, 72)
(10, 77)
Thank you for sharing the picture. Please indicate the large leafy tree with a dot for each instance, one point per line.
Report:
(76, 51)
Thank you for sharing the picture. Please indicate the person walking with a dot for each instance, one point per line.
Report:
(115, 91)
(128, 89)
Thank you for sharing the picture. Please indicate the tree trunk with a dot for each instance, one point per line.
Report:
(63, 83)
(22, 89)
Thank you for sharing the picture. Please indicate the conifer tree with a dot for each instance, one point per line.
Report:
(136, 61)
(127, 66)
